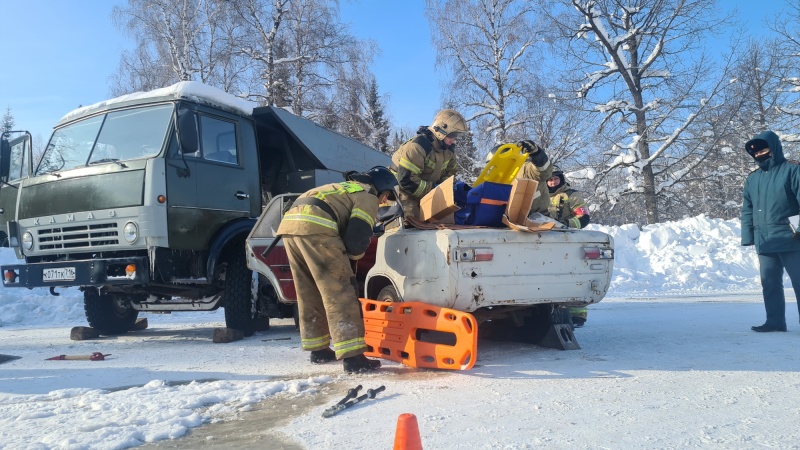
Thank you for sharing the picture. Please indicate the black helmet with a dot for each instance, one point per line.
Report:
(557, 172)
(378, 176)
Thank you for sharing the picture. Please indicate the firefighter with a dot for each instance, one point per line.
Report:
(427, 159)
(568, 207)
(324, 230)
(537, 167)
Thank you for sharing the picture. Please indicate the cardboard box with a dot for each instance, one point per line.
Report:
(519, 202)
(439, 203)
(519, 206)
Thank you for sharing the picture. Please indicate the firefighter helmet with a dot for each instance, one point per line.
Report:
(448, 122)
(378, 176)
(490, 155)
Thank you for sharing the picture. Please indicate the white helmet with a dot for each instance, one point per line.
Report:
(448, 122)
(491, 152)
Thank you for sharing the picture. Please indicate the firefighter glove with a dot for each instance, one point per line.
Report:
(529, 146)
(537, 154)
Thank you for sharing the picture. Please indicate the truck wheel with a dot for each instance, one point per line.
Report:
(389, 294)
(109, 313)
(239, 295)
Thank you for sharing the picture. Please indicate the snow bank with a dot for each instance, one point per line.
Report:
(693, 255)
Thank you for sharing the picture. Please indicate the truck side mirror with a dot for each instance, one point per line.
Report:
(5, 157)
(186, 125)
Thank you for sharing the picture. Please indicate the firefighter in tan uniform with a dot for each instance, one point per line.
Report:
(568, 207)
(323, 231)
(426, 160)
(537, 167)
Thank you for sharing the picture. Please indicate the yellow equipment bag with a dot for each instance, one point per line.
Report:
(503, 166)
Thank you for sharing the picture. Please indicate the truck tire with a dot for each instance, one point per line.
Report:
(109, 313)
(389, 294)
(239, 296)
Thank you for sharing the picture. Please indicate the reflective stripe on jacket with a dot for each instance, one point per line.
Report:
(355, 208)
(568, 207)
(421, 163)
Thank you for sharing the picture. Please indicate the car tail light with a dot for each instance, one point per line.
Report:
(474, 254)
(597, 253)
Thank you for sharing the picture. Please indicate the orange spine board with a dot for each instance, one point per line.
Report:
(407, 332)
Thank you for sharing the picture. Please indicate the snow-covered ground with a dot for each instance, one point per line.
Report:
(667, 361)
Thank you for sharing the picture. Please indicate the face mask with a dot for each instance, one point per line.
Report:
(763, 157)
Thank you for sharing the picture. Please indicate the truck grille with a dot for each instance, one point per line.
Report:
(78, 236)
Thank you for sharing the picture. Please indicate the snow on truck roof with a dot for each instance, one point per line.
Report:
(332, 149)
(185, 90)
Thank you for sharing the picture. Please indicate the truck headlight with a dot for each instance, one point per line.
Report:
(130, 232)
(27, 240)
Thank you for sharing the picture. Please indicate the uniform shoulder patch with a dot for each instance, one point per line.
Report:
(351, 187)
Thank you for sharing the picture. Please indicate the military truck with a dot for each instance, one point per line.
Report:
(144, 202)
(16, 146)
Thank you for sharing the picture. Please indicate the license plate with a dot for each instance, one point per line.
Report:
(59, 274)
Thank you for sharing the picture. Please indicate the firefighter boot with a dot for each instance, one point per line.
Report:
(323, 356)
(360, 364)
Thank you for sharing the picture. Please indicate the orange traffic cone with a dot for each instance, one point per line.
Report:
(407, 435)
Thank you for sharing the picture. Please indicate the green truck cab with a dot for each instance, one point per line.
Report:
(144, 202)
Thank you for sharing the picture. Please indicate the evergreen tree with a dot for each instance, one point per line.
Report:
(8, 121)
(379, 126)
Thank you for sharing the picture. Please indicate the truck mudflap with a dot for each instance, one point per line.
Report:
(90, 272)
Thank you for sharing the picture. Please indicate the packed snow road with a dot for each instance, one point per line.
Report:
(652, 373)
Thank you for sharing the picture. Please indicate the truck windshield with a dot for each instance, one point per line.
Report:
(111, 137)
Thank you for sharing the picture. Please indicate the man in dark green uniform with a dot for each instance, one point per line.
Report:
(771, 195)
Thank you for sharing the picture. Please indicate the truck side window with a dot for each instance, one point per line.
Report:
(218, 140)
(19, 167)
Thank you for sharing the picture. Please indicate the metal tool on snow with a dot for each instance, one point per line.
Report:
(352, 393)
(349, 401)
(96, 356)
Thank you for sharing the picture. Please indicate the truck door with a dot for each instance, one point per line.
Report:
(214, 185)
(17, 150)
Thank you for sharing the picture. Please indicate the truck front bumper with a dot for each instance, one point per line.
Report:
(91, 272)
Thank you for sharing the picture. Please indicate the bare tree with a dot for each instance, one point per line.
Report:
(176, 40)
(487, 46)
(262, 44)
(788, 60)
(299, 50)
(648, 77)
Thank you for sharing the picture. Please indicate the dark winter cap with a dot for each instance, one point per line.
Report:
(753, 146)
(557, 172)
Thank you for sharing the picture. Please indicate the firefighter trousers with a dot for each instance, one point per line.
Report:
(327, 302)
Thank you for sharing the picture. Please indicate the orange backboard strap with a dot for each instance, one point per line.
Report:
(420, 335)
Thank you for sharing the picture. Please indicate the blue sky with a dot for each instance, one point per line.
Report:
(59, 55)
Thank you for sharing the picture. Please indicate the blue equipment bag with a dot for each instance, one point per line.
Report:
(485, 205)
